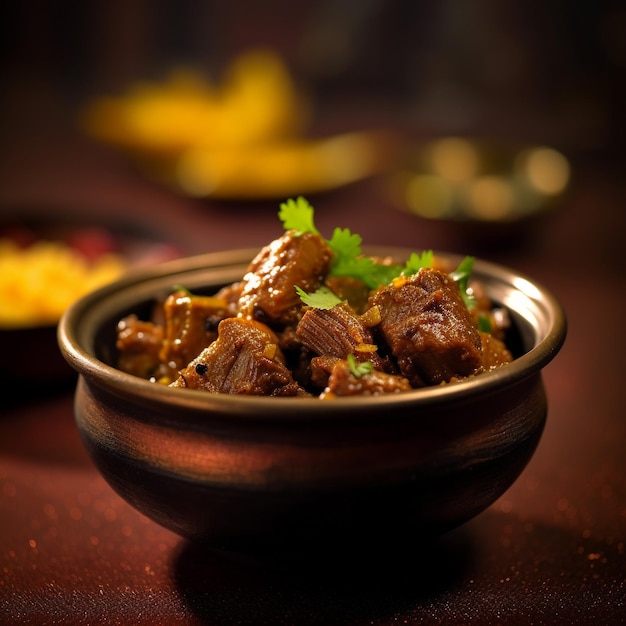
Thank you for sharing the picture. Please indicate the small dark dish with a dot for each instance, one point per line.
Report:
(253, 474)
(32, 363)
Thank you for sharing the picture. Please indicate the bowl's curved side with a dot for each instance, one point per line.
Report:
(243, 487)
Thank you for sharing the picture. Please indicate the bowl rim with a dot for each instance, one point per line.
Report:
(136, 389)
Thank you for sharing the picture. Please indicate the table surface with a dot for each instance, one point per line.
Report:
(552, 549)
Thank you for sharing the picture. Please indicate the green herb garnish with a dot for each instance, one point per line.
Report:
(416, 262)
(357, 368)
(349, 260)
(321, 298)
(297, 215)
(484, 324)
(462, 275)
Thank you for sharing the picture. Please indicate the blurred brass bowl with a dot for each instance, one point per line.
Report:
(484, 189)
(292, 475)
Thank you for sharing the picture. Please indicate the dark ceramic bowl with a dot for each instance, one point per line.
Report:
(276, 475)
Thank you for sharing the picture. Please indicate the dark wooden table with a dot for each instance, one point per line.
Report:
(552, 550)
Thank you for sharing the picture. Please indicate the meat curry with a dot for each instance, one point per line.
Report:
(297, 325)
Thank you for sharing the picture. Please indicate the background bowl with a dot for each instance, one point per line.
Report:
(291, 475)
(480, 189)
(32, 363)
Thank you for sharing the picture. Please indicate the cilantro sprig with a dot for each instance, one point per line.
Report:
(462, 275)
(349, 260)
(359, 369)
(297, 215)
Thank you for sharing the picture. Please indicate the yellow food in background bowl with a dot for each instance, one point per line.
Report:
(256, 102)
(242, 137)
(290, 167)
(39, 282)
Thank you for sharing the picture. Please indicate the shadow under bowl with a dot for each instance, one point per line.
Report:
(267, 476)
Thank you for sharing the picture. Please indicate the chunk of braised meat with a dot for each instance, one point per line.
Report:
(231, 294)
(297, 356)
(337, 332)
(319, 370)
(268, 294)
(494, 352)
(244, 359)
(191, 323)
(429, 328)
(138, 344)
(339, 380)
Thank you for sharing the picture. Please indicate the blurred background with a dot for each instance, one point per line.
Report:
(90, 123)
(553, 70)
(519, 72)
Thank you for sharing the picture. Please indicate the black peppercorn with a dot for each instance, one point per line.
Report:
(211, 323)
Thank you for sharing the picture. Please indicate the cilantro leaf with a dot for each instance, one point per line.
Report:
(345, 244)
(297, 215)
(176, 288)
(349, 260)
(417, 262)
(357, 368)
(484, 324)
(366, 270)
(462, 275)
(321, 298)
(382, 274)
